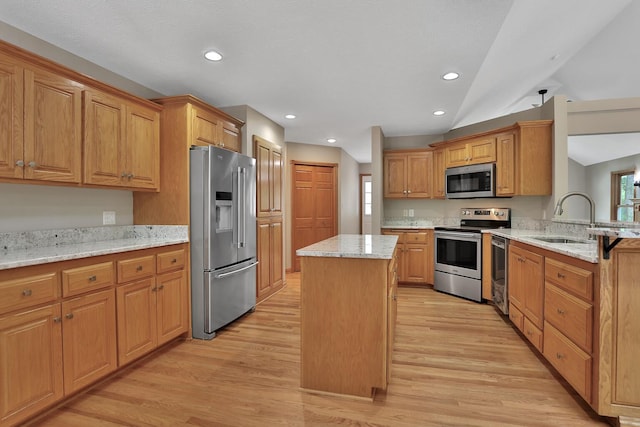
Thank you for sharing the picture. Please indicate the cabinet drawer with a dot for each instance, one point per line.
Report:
(516, 317)
(571, 362)
(136, 268)
(573, 279)
(169, 261)
(415, 237)
(28, 291)
(399, 233)
(78, 280)
(533, 334)
(572, 316)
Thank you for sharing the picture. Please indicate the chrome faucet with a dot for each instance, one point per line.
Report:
(592, 204)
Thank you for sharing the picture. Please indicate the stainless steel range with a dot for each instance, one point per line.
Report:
(458, 251)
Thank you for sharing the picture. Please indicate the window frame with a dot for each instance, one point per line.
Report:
(615, 192)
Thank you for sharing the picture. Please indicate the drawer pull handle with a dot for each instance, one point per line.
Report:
(560, 311)
(93, 278)
(139, 268)
(559, 356)
(27, 292)
(173, 261)
(69, 315)
(560, 276)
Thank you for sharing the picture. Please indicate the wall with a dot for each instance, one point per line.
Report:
(32, 207)
(377, 166)
(365, 168)
(577, 207)
(348, 186)
(599, 182)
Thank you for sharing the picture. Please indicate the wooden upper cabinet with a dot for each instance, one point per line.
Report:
(121, 142)
(269, 177)
(209, 128)
(52, 127)
(481, 150)
(142, 148)
(522, 153)
(438, 174)
(11, 117)
(408, 174)
(506, 165)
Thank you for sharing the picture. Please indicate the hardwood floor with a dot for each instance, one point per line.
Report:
(456, 363)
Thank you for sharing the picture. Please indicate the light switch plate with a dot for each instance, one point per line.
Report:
(108, 218)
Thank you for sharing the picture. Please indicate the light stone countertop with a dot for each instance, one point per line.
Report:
(352, 246)
(587, 250)
(42, 249)
(626, 233)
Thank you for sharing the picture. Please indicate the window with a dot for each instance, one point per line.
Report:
(622, 190)
(367, 198)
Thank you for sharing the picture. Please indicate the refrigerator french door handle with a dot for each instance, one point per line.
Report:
(223, 275)
(244, 207)
(239, 207)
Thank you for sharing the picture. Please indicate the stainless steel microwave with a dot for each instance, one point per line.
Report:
(466, 182)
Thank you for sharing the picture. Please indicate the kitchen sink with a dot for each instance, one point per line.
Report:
(559, 240)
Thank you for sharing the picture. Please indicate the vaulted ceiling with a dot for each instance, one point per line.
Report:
(342, 66)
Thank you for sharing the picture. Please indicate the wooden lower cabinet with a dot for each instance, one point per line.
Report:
(88, 338)
(65, 325)
(552, 302)
(270, 277)
(152, 310)
(30, 363)
(347, 321)
(415, 255)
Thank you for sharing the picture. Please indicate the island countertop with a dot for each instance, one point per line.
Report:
(352, 246)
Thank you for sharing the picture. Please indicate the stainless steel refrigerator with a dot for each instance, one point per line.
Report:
(223, 238)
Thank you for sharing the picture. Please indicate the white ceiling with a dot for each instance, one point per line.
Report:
(343, 66)
(591, 149)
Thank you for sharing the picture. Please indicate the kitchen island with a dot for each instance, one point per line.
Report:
(348, 310)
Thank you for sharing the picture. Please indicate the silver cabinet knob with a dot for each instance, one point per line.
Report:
(26, 292)
(123, 175)
(130, 175)
(57, 319)
(69, 316)
(20, 163)
(33, 164)
(93, 278)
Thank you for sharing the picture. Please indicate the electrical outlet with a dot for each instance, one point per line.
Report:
(411, 213)
(108, 218)
(404, 212)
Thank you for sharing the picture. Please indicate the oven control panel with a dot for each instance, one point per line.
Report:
(495, 214)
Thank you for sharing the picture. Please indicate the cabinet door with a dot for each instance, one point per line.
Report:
(533, 280)
(264, 259)
(456, 156)
(506, 165)
(53, 127)
(11, 118)
(516, 286)
(172, 306)
(137, 323)
(263, 177)
(230, 137)
(415, 262)
(482, 150)
(438, 174)
(395, 179)
(142, 148)
(277, 271)
(419, 174)
(104, 132)
(276, 169)
(205, 128)
(30, 363)
(89, 339)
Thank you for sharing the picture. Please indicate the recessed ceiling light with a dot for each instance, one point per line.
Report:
(212, 55)
(451, 76)
(332, 140)
(438, 113)
(290, 116)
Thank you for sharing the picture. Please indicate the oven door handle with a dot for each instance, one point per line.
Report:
(499, 244)
(456, 235)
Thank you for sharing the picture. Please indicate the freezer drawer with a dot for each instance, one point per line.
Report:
(226, 295)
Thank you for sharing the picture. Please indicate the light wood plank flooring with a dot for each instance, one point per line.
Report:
(456, 363)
